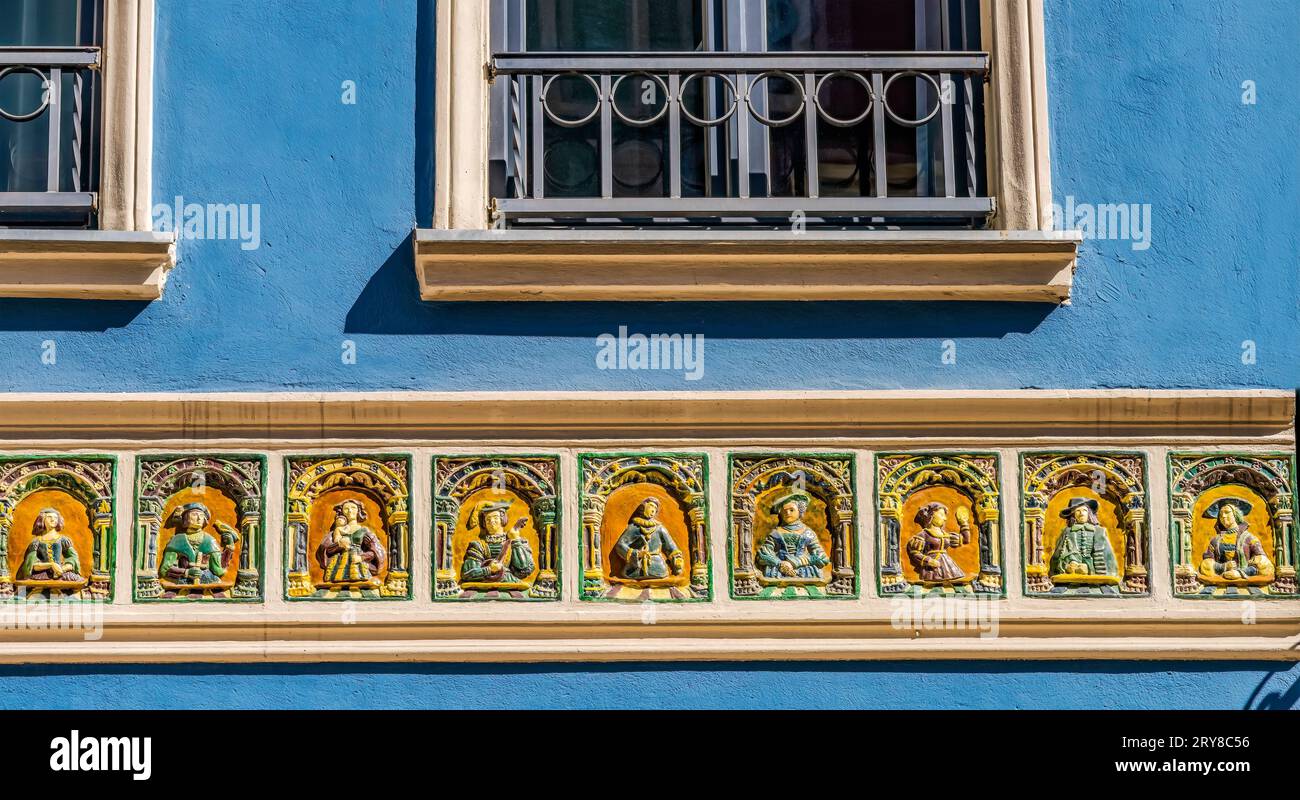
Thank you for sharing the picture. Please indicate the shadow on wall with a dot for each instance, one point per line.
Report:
(23, 314)
(390, 304)
(916, 684)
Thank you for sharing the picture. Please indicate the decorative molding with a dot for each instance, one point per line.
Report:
(1024, 415)
(126, 175)
(1025, 266)
(89, 265)
(407, 637)
(1016, 114)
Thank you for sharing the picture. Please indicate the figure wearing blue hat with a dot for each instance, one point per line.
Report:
(1234, 553)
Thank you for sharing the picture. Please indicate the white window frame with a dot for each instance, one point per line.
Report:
(1018, 258)
(123, 259)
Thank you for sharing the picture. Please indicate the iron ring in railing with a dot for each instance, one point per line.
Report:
(707, 123)
(912, 123)
(569, 123)
(826, 115)
(775, 123)
(639, 123)
(45, 94)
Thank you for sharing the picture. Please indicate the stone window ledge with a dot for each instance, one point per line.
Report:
(512, 264)
(85, 265)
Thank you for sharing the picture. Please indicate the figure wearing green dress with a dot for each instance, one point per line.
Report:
(498, 555)
(1084, 548)
(193, 556)
(50, 556)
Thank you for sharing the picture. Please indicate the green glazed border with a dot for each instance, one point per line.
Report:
(557, 546)
(703, 458)
(857, 525)
(111, 544)
(259, 553)
(1169, 493)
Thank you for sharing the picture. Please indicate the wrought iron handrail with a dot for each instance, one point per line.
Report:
(735, 75)
(50, 64)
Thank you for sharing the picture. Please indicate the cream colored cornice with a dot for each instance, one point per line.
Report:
(654, 415)
(85, 265)
(1026, 266)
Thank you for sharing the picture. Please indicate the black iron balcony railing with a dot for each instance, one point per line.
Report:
(726, 100)
(52, 178)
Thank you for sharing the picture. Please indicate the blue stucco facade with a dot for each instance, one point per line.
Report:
(1145, 107)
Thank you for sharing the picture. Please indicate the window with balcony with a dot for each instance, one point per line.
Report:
(50, 99)
(742, 149)
(75, 151)
(719, 112)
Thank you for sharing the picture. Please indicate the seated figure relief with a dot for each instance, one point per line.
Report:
(1234, 554)
(646, 547)
(1083, 554)
(500, 557)
(791, 551)
(927, 549)
(350, 554)
(50, 557)
(194, 557)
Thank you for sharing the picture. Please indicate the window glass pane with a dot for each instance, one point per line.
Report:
(24, 144)
(614, 25)
(41, 23)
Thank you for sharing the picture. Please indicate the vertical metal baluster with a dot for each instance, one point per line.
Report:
(968, 103)
(606, 138)
(945, 114)
(76, 131)
(811, 146)
(674, 136)
(517, 134)
(878, 129)
(537, 161)
(55, 113)
(742, 135)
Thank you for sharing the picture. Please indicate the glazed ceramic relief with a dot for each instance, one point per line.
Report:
(495, 528)
(56, 527)
(1084, 524)
(792, 526)
(645, 527)
(199, 524)
(1232, 525)
(347, 532)
(938, 517)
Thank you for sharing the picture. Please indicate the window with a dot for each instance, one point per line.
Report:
(50, 101)
(741, 150)
(76, 103)
(737, 112)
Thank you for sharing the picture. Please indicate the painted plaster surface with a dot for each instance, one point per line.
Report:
(938, 685)
(1145, 108)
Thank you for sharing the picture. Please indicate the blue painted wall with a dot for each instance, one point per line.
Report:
(937, 685)
(1145, 108)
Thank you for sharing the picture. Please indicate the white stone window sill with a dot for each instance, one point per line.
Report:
(85, 265)
(513, 264)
